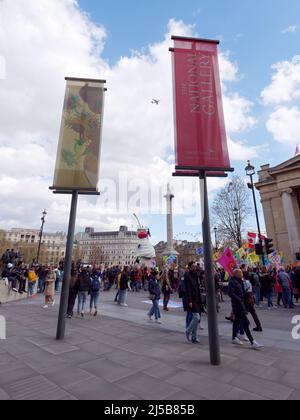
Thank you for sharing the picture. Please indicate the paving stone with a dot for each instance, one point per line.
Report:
(16, 373)
(295, 396)
(33, 389)
(51, 345)
(148, 388)
(96, 348)
(259, 358)
(131, 360)
(3, 395)
(185, 396)
(68, 378)
(291, 379)
(18, 346)
(222, 374)
(209, 389)
(99, 390)
(236, 394)
(268, 389)
(161, 371)
(43, 362)
(105, 369)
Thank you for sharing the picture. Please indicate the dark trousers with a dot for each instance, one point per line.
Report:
(241, 319)
(13, 281)
(22, 285)
(252, 311)
(166, 300)
(71, 303)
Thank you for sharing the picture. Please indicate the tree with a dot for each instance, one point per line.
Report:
(230, 211)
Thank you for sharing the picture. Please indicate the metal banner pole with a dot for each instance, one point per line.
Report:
(61, 326)
(213, 329)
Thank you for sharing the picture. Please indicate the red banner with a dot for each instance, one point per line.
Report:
(201, 141)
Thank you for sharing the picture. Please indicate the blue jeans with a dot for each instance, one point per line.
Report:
(189, 317)
(31, 287)
(155, 310)
(94, 300)
(269, 296)
(257, 296)
(193, 327)
(287, 297)
(82, 298)
(41, 285)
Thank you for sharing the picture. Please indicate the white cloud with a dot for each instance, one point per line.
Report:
(43, 42)
(290, 29)
(284, 124)
(283, 95)
(285, 85)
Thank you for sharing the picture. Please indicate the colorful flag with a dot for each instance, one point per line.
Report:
(227, 261)
(240, 253)
(253, 258)
(251, 240)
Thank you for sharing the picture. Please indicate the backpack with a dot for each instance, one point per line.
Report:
(96, 284)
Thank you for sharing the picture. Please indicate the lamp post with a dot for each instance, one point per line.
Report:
(250, 171)
(43, 219)
(216, 238)
(238, 225)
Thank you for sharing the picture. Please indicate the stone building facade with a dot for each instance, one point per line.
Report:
(279, 188)
(26, 241)
(109, 248)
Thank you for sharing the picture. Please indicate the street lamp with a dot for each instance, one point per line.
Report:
(238, 225)
(41, 235)
(250, 171)
(216, 238)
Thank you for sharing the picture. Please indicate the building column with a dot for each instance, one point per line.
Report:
(291, 221)
(170, 239)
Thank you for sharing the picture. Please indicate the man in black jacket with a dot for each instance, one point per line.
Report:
(237, 294)
(194, 303)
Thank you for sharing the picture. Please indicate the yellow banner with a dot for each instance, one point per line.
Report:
(253, 258)
(78, 154)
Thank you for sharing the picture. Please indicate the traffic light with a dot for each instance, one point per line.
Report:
(259, 249)
(269, 246)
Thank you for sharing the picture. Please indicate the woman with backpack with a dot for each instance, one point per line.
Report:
(95, 292)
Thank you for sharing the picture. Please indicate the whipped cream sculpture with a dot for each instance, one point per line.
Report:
(145, 252)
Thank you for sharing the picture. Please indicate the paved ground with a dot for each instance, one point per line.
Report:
(121, 356)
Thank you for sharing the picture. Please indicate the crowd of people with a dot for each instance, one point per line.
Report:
(248, 289)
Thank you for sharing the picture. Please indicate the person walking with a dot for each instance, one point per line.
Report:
(95, 292)
(166, 289)
(183, 296)
(154, 295)
(194, 301)
(237, 294)
(84, 287)
(73, 292)
(256, 286)
(32, 280)
(285, 283)
(50, 288)
(123, 288)
(267, 282)
(250, 305)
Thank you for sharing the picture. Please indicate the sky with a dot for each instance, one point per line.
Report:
(127, 44)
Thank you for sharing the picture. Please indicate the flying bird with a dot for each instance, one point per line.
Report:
(155, 101)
